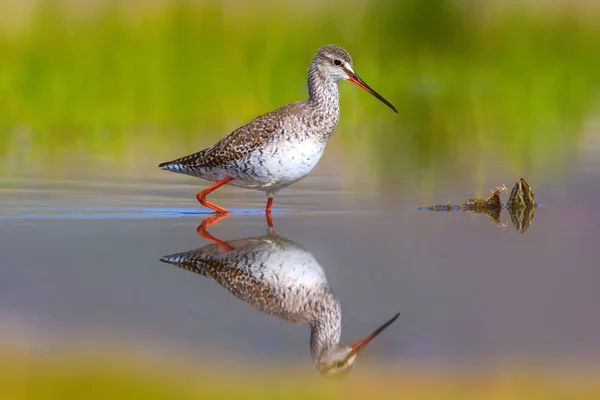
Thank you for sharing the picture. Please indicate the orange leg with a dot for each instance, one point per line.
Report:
(201, 196)
(204, 233)
(269, 204)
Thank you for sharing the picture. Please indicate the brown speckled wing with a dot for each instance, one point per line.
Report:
(242, 141)
(238, 144)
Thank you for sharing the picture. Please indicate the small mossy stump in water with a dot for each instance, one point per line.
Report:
(521, 205)
(492, 206)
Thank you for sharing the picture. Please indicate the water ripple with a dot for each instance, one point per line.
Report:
(117, 212)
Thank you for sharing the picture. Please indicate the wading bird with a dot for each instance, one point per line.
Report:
(279, 148)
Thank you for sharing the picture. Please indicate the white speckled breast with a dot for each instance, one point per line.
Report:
(279, 164)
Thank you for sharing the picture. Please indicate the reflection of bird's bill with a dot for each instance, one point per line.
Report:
(363, 342)
(352, 77)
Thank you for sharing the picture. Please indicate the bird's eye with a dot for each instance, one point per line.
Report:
(337, 62)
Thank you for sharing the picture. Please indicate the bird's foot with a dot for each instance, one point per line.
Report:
(201, 196)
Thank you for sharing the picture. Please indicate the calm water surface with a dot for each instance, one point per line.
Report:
(80, 262)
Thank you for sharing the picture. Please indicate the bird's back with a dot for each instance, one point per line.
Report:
(244, 140)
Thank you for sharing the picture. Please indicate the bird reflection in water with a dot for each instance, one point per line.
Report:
(279, 277)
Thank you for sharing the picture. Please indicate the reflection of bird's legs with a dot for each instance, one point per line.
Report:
(268, 209)
(208, 222)
(269, 220)
(270, 226)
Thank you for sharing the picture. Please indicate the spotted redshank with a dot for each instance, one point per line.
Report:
(279, 148)
(280, 278)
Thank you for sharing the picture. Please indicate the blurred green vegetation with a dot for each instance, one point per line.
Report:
(102, 374)
(155, 82)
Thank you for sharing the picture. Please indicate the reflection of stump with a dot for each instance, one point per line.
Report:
(521, 206)
(521, 217)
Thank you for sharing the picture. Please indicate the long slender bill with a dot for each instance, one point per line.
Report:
(352, 77)
(363, 342)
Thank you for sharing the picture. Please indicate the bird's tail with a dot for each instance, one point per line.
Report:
(171, 166)
(184, 165)
(174, 259)
(189, 260)
(175, 166)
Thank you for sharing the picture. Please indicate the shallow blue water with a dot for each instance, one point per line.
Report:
(66, 212)
(80, 262)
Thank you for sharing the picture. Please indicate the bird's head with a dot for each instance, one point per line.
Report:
(335, 62)
(338, 360)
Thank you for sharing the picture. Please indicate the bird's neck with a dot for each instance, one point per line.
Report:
(323, 91)
(326, 329)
